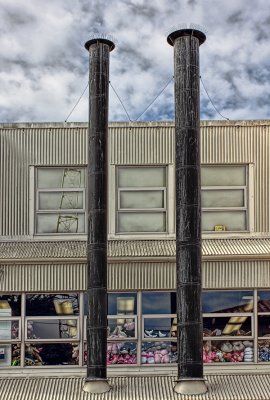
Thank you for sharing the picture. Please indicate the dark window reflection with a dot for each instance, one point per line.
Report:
(122, 303)
(227, 301)
(52, 304)
(264, 301)
(10, 305)
(51, 354)
(264, 325)
(227, 326)
(52, 329)
(159, 303)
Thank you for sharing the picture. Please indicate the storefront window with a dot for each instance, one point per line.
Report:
(10, 355)
(233, 351)
(227, 326)
(227, 301)
(122, 303)
(52, 304)
(39, 354)
(52, 329)
(159, 352)
(10, 305)
(158, 302)
(121, 353)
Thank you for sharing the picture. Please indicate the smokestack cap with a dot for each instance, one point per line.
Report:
(99, 40)
(186, 32)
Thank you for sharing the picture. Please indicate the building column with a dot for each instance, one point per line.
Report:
(97, 177)
(186, 44)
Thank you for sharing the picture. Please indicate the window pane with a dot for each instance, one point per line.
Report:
(215, 351)
(52, 304)
(142, 177)
(142, 199)
(159, 352)
(60, 177)
(122, 303)
(232, 220)
(263, 350)
(10, 355)
(60, 223)
(227, 301)
(263, 301)
(10, 305)
(264, 325)
(52, 329)
(37, 354)
(142, 222)
(223, 198)
(158, 327)
(223, 175)
(159, 303)
(227, 326)
(9, 330)
(122, 353)
(60, 200)
(121, 328)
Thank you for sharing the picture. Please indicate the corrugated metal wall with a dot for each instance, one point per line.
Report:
(132, 276)
(19, 149)
(149, 143)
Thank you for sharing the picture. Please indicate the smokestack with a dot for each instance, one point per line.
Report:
(99, 55)
(186, 44)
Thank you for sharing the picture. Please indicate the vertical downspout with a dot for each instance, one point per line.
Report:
(97, 176)
(186, 44)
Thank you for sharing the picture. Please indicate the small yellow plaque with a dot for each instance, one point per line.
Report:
(220, 228)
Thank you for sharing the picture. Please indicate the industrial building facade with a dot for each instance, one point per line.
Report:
(43, 228)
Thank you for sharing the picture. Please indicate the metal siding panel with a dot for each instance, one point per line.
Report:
(236, 274)
(140, 144)
(45, 277)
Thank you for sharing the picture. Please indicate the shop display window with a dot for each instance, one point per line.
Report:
(263, 301)
(121, 328)
(10, 305)
(231, 325)
(51, 329)
(264, 350)
(230, 351)
(9, 329)
(158, 303)
(158, 327)
(52, 304)
(230, 301)
(121, 353)
(157, 352)
(42, 354)
(122, 303)
(10, 355)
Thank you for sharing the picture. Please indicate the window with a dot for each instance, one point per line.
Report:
(142, 200)
(224, 198)
(42, 329)
(60, 200)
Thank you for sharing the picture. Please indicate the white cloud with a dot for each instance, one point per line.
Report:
(44, 67)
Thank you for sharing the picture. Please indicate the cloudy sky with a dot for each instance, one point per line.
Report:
(44, 66)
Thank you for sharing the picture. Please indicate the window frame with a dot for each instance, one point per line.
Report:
(60, 211)
(248, 200)
(161, 210)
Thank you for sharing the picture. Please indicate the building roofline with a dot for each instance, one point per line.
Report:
(46, 125)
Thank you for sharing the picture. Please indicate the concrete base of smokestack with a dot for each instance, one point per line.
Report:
(191, 386)
(97, 386)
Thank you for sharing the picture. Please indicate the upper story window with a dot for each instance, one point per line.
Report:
(60, 200)
(142, 200)
(224, 198)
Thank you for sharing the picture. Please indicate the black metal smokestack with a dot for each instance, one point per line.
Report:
(186, 44)
(99, 49)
